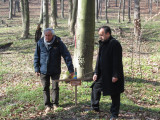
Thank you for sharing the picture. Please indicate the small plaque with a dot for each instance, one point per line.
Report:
(75, 83)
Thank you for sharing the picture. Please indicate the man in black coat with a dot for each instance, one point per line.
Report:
(108, 77)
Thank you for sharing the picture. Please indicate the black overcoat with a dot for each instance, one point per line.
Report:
(109, 64)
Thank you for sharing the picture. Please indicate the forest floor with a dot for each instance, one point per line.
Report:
(21, 91)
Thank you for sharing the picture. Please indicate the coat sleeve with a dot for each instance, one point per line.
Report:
(117, 59)
(67, 57)
(37, 59)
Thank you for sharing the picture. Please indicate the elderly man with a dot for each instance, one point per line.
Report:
(47, 64)
(108, 76)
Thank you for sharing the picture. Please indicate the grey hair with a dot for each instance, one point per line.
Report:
(49, 29)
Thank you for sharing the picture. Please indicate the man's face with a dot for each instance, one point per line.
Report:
(48, 36)
(102, 35)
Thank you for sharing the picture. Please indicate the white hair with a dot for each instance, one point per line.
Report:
(49, 29)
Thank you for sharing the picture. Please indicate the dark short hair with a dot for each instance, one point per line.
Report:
(107, 29)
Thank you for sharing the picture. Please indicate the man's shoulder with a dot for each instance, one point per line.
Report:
(40, 40)
(114, 41)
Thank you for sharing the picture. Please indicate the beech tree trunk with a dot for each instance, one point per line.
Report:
(53, 14)
(137, 21)
(45, 14)
(25, 18)
(74, 17)
(85, 37)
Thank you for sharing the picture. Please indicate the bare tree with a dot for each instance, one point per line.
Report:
(129, 11)
(137, 21)
(119, 11)
(41, 13)
(4, 1)
(25, 18)
(116, 3)
(106, 11)
(45, 14)
(85, 36)
(96, 10)
(150, 8)
(100, 7)
(108, 3)
(70, 12)
(10, 9)
(16, 6)
(62, 8)
(74, 17)
(123, 10)
(53, 14)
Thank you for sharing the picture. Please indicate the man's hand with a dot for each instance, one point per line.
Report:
(94, 77)
(114, 79)
(71, 75)
(37, 74)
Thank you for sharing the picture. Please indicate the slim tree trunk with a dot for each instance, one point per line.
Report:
(62, 8)
(74, 17)
(100, 8)
(10, 9)
(45, 14)
(106, 11)
(53, 14)
(157, 5)
(96, 10)
(116, 3)
(4, 1)
(119, 11)
(25, 18)
(41, 13)
(150, 8)
(85, 36)
(108, 3)
(123, 9)
(70, 12)
(137, 21)
(129, 11)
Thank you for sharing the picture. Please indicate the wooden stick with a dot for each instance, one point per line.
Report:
(79, 79)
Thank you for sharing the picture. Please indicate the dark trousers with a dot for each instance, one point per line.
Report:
(95, 98)
(45, 80)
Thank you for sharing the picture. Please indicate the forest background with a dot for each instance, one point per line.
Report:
(21, 91)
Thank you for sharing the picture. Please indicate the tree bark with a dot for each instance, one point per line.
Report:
(62, 8)
(108, 3)
(85, 37)
(45, 14)
(106, 11)
(96, 10)
(25, 18)
(119, 11)
(129, 11)
(150, 8)
(4, 1)
(74, 17)
(10, 9)
(16, 7)
(116, 3)
(100, 8)
(137, 21)
(53, 14)
(70, 12)
(41, 13)
(123, 10)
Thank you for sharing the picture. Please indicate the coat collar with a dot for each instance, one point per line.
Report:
(106, 41)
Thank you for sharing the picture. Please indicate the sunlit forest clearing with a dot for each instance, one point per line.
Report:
(21, 91)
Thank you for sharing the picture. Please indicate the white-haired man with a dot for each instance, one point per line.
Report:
(47, 64)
